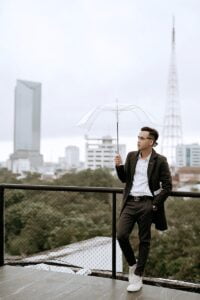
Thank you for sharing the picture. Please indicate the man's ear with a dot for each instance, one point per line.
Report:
(155, 144)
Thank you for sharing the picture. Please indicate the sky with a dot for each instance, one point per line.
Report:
(88, 53)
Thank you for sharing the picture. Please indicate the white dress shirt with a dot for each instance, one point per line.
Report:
(140, 185)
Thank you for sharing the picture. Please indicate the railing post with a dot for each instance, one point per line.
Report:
(114, 235)
(2, 226)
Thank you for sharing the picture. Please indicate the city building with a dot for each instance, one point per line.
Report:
(72, 157)
(27, 116)
(71, 160)
(188, 155)
(100, 152)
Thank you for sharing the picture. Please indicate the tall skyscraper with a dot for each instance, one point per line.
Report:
(27, 119)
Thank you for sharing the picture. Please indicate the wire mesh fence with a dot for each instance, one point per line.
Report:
(74, 229)
(67, 228)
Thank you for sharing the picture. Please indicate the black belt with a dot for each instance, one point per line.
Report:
(139, 198)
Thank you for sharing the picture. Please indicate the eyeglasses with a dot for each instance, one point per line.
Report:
(143, 138)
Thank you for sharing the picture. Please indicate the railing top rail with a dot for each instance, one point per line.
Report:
(85, 189)
(62, 188)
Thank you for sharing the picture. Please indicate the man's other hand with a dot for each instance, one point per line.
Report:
(118, 160)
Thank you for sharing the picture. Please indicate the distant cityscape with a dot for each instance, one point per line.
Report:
(26, 157)
(99, 151)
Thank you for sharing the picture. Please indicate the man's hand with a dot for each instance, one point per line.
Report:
(118, 160)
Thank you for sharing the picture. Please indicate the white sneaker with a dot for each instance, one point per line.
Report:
(131, 273)
(136, 285)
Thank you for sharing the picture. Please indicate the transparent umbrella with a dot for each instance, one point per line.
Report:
(117, 108)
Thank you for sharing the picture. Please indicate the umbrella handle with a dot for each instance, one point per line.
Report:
(117, 137)
(117, 124)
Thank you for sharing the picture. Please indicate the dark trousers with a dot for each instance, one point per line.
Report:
(141, 213)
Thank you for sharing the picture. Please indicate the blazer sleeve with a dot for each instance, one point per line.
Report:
(166, 183)
(122, 170)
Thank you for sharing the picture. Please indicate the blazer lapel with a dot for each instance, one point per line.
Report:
(133, 162)
(151, 163)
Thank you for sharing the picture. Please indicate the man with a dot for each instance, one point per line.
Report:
(148, 184)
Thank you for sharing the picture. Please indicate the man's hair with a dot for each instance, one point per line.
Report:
(153, 133)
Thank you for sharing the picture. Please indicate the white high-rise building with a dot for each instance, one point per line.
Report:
(188, 155)
(100, 152)
(72, 157)
(26, 156)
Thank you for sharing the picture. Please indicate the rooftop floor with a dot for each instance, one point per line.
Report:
(24, 283)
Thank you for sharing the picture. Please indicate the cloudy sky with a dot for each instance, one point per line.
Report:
(87, 53)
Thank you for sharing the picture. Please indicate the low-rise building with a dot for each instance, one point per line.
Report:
(100, 152)
(188, 155)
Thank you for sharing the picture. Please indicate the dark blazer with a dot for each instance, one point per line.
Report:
(159, 178)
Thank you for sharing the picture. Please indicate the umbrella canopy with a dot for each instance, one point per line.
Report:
(117, 108)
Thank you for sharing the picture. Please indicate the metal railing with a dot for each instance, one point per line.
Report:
(112, 191)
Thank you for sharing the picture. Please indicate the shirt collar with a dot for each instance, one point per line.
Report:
(147, 158)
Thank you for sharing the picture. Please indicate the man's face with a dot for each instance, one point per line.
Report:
(144, 140)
